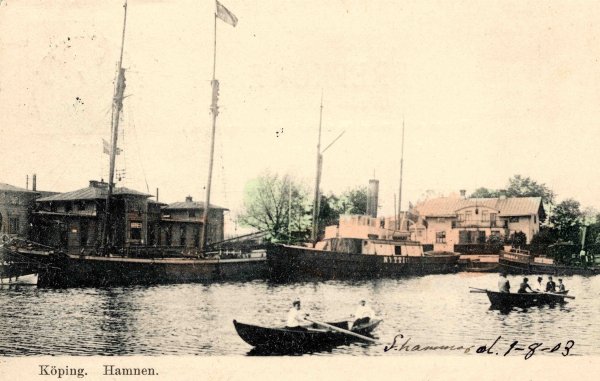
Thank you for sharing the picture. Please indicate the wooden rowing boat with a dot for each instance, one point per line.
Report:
(509, 300)
(294, 341)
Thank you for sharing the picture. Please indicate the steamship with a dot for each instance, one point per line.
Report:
(359, 247)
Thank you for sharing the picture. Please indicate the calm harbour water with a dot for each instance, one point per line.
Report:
(196, 319)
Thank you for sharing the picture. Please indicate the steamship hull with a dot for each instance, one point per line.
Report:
(293, 263)
(64, 270)
(515, 263)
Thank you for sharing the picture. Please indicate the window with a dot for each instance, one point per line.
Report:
(13, 225)
(419, 232)
(440, 237)
(168, 236)
(485, 216)
(397, 250)
(513, 219)
(534, 219)
(182, 236)
(191, 213)
(468, 216)
(135, 232)
(80, 205)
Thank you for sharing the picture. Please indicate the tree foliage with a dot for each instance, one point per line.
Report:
(267, 205)
(519, 186)
(566, 219)
(485, 193)
(542, 239)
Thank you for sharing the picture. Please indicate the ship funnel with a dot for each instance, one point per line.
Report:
(372, 198)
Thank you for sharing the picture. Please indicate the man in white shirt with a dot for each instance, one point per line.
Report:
(296, 317)
(503, 284)
(362, 314)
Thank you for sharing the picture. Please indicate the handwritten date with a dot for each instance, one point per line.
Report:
(527, 350)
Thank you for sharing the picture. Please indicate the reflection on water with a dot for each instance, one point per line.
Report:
(196, 319)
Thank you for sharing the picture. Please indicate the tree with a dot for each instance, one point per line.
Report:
(542, 239)
(267, 207)
(353, 201)
(485, 193)
(517, 239)
(566, 219)
(519, 186)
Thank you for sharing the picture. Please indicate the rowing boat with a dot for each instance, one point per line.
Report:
(508, 300)
(292, 340)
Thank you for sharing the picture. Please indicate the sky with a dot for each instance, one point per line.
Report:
(485, 90)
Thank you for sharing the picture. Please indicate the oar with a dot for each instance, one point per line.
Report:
(334, 328)
(563, 295)
(478, 289)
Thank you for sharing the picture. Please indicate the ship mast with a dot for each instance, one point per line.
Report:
(229, 18)
(116, 112)
(398, 225)
(316, 201)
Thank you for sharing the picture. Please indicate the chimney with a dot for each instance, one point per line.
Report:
(98, 184)
(27, 182)
(188, 199)
(502, 193)
(463, 193)
(156, 194)
(33, 183)
(372, 198)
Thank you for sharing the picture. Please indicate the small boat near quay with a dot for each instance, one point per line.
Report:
(479, 263)
(316, 337)
(561, 259)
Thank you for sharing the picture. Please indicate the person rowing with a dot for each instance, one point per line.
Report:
(524, 287)
(296, 318)
(561, 286)
(550, 286)
(503, 283)
(362, 314)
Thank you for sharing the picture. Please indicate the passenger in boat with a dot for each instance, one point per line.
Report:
(540, 280)
(296, 317)
(561, 286)
(503, 283)
(362, 314)
(550, 286)
(524, 286)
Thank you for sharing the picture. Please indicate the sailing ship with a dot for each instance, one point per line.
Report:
(117, 220)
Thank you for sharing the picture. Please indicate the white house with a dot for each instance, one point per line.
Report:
(447, 221)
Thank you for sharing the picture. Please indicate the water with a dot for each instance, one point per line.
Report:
(196, 319)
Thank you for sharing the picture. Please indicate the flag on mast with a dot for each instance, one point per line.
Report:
(225, 15)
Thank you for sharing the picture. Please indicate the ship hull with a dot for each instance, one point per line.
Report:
(292, 263)
(61, 270)
(521, 264)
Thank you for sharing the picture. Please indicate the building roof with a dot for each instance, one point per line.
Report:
(11, 188)
(184, 205)
(96, 190)
(510, 206)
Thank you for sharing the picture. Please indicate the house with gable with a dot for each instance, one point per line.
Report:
(448, 221)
